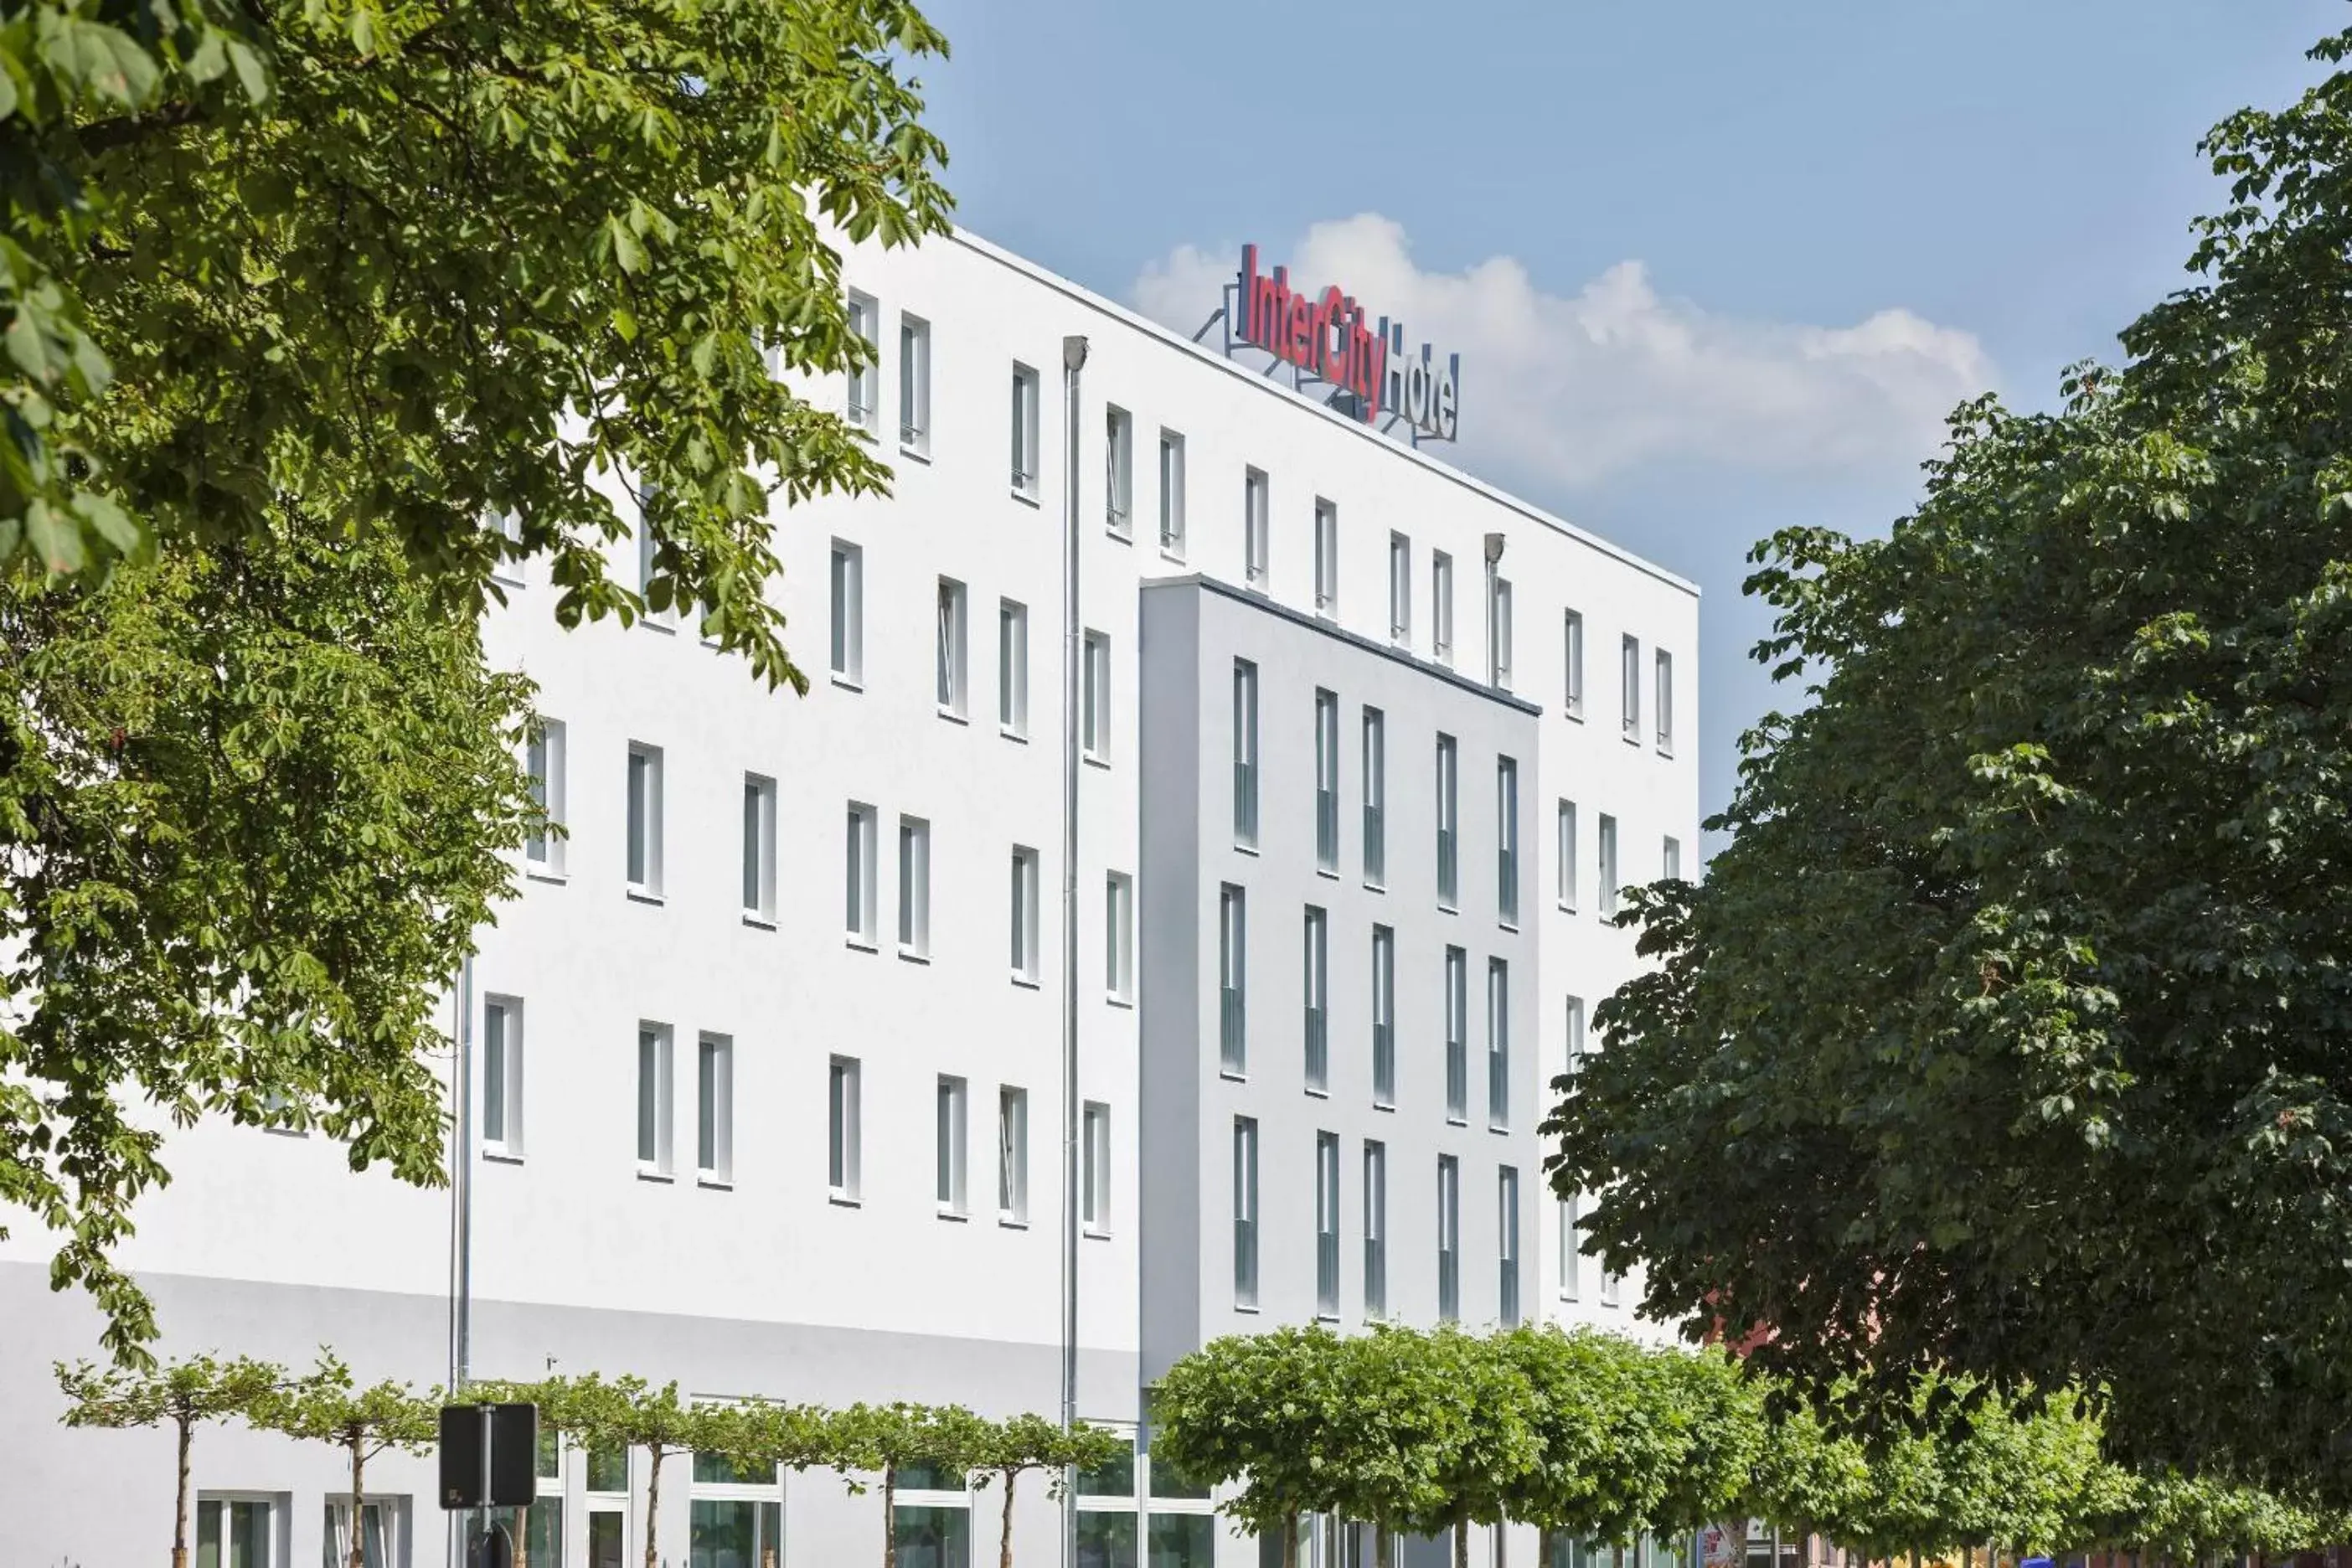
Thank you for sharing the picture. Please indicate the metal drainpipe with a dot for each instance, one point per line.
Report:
(461, 1214)
(1074, 359)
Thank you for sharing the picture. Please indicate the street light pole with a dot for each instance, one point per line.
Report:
(1074, 359)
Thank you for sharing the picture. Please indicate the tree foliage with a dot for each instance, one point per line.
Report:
(181, 1396)
(325, 1406)
(2009, 1035)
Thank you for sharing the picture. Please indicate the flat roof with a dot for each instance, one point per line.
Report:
(1144, 324)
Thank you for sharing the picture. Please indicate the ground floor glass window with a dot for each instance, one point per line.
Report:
(232, 1532)
(930, 1537)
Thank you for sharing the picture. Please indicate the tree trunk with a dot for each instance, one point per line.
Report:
(1290, 1539)
(180, 1513)
(889, 1516)
(653, 1504)
(358, 1559)
(1462, 1543)
(1004, 1540)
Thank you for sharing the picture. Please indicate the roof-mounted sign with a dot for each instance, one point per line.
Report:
(1364, 372)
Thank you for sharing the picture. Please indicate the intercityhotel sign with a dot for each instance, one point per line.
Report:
(1324, 336)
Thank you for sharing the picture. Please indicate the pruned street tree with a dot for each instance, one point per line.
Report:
(182, 1394)
(325, 1406)
(1010, 1449)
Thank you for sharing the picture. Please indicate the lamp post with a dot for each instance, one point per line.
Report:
(1074, 360)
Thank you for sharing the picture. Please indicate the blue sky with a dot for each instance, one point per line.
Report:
(1762, 247)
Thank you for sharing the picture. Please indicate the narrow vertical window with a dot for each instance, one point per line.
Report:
(714, 1108)
(1499, 1044)
(1257, 527)
(1246, 1213)
(1375, 798)
(1499, 633)
(1233, 980)
(1119, 937)
(1317, 984)
(1327, 559)
(1327, 779)
(759, 849)
(1506, 841)
(1376, 1230)
(1024, 913)
(1670, 859)
(1118, 471)
(1093, 704)
(543, 766)
(858, 857)
(653, 1099)
(1094, 1175)
(644, 836)
(1457, 1035)
(1245, 753)
(914, 383)
(1383, 1017)
(1012, 669)
(865, 374)
(1506, 1198)
(848, 613)
(1449, 860)
(1575, 1035)
(1449, 1239)
(1025, 431)
(1012, 1156)
(502, 1072)
(842, 1131)
(1661, 703)
(1567, 848)
(951, 1145)
(1629, 651)
(1441, 607)
(1399, 589)
(1172, 493)
(914, 888)
(1570, 1240)
(951, 679)
(1611, 1284)
(1573, 651)
(1608, 854)
(1326, 1225)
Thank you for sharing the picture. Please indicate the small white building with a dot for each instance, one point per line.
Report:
(767, 1048)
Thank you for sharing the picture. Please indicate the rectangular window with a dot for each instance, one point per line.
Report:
(1449, 1239)
(1506, 1197)
(1611, 1284)
(1506, 841)
(1012, 1156)
(1499, 1044)
(1399, 589)
(543, 766)
(841, 1129)
(1661, 702)
(1441, 607)
(1119, 937)
(1233, 980)
(951, 1145)
(1376, 1229)
(858, 858)
(1257, 527)
(1575, 1035)
(1375, 798)
(1572, 646)
(1025, 431)
(1094, 669)
(914, 887)
(714, 1108)
(914, 383)
(1629, 650)
(501, 1070)
(1326, 1225)
(1457, 1035)
(1327, 559)
(234, 1532)
(1449, 863)
(1498, 632)
(1245, 753)
(1670, 859)
(1172, 493)
(863, 376)
(1245, 1212)
(1608, 851)
(1025, 915)
(1570, 1240)
(1327, 779)
(653, 1099)
(1094, 1177)
(737, 1524)
(645, 845)
(379, 1543)
(1383, 1017)
(1567, 834)
(759, 849)
(1118, 471)
(1012, 669)
(949, 678)
(848, 613)
(1317, 984)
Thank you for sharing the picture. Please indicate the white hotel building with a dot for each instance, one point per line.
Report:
(766, 1045)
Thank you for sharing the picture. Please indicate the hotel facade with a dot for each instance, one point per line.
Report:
(766, 1053)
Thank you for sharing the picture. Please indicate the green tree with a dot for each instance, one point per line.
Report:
(1484, 1440)
(944, 1441)
(627, 1412)
(326, 1407)
(254, 799)
(1008, 1449)
(200, 1388)
(2008, 1034)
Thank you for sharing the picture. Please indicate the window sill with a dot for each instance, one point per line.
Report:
(1326, 1317)
(860, 944)
(1511, 925)
(847, 682)
(1026, 498)
(1018, 737)
(1498, 1131)
(1314, 1092)
(1574, 716)
(1095, 760)
(1567, 909)
(658, 623)
(758, 922)
(1026, 982)
(287, 1131)
(1373, 887)
(501, 1156)
(1330, 873)
(1175, 555)
(912, 955)
(843, 1200)
(1233, 1075)
(1095, 1233)
(1453, 1120)
(1124, 535)
(957, 1216)
(715, 1183)
(1117, 1001)
(1667, 751)
(545, 874)
(1251, 1308)
(1633, 741)
(953, 717)
(1446, 909)
(644, 895)
(920, 453)
(646, 1173)
(1010, 1222)
(1249, 850)
(505, 581)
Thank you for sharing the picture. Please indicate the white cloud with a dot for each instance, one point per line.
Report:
(1573, 389)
